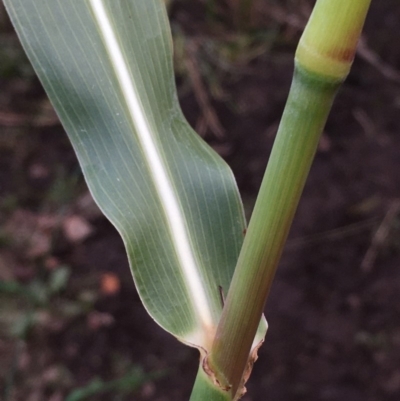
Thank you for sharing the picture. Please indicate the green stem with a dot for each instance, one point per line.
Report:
(307, 108)
(205, 390)
(323, 59)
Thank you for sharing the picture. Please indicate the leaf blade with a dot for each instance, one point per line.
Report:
(201, 227)
(156, 166)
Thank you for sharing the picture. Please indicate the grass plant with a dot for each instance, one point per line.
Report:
(107, 68)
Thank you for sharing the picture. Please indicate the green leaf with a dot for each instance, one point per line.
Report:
(107, 68)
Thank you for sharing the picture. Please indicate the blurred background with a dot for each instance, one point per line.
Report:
(71, 324)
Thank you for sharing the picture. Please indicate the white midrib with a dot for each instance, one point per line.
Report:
(163, 185)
